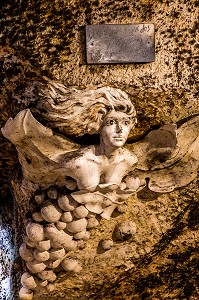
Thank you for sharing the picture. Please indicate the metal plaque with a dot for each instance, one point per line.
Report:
(131, 43)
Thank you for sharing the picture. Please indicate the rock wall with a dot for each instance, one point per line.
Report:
(42, 38)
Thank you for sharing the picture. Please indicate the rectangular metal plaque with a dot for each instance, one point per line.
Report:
(128, 43)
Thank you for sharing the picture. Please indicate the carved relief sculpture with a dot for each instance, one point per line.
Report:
(74, 186)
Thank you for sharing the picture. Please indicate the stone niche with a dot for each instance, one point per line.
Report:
(127, 227)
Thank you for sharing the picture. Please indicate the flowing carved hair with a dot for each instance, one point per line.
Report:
(77, 112)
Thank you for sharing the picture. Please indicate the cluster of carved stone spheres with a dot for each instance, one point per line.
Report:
(58, 225)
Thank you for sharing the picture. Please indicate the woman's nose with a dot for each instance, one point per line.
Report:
(119, 128)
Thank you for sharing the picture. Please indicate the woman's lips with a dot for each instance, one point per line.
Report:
(118, 138)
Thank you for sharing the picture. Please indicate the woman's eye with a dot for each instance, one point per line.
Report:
(126, 122)
(110, 122)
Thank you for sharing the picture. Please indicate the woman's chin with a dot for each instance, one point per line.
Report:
(118, 143)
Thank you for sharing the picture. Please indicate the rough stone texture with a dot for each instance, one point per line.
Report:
(6, 259)
(42, 38)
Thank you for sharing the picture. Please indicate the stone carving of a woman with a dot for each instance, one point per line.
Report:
(97, 177)
(106, 111)
(49, 158)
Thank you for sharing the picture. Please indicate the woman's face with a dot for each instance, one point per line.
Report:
(115, 129)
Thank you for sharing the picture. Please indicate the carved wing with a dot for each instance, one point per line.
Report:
(38, 148)
(168, 158)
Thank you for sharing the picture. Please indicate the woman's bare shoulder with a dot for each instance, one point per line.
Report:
(129, 156)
